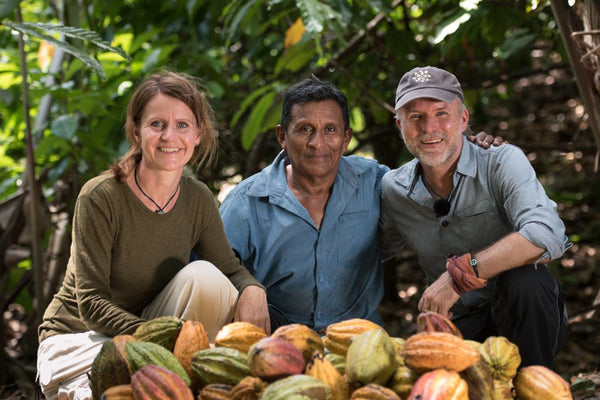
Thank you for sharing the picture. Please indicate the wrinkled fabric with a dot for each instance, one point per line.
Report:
(463, 276)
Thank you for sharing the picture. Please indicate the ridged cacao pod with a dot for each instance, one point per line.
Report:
(374, 391)
(402, 380)
(249, 388)
(339, 334)
(215, 391)
(339, 362)
(501, 356)
(141, 354)
(371, 358)
(321, 368)
(120, 341)
(426, 351)
(399, 346)
(220, 365)
(429, 321)
(502, 390)
(109, 368)
(273, 358)
(152, 382)
(539, 382)
(119, 392)
(161, 330)
(305, 339)
(191, 338)
(480, 381)
(239, 335)
(440, 384)
(297, 387)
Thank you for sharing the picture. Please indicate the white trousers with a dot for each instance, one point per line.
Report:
(199, 292)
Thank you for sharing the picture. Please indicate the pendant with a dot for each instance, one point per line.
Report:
(159, 211)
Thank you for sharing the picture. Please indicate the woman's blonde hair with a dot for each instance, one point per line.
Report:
(181, 87)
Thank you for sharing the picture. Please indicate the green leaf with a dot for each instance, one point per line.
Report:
(86, 59)
(296, 57)
(64, 126)
(255, 122)
(515, 42)
(316, 15)
(247, 101)
(7, 7)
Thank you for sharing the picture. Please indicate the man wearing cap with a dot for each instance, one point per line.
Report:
(479, 221)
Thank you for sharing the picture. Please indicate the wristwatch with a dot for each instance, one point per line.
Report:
(474, 265)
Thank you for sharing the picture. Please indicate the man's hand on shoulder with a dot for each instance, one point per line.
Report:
(482, 139)
(252, 307)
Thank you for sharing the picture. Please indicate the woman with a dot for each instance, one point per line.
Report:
(134, 228)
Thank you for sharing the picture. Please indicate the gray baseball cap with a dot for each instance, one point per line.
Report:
(429, 82)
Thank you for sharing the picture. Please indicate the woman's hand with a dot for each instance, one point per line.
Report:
(252, 307)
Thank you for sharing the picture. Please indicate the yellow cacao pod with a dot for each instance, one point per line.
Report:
(501, 356)
(339, 334)
(118, 392)
(239, 335)
(215, 391)
(249, 388)
(402, 380)
(425, 351)
(305, 339)
(321, 368)
(440, 384)
(371, 358)
(539, 382)
(502, 390)
(374, 391)
(399, 346)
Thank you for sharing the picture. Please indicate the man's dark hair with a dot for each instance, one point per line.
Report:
(312, 89)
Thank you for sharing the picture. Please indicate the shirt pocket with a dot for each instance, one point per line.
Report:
(480, 223)
(355, 236)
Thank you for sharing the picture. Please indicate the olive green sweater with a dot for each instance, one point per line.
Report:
(123, 254)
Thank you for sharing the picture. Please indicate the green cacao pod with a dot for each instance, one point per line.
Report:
(297, 387)
(161, 330)
(402, 380)
(339, 362)
(140, 354)
(152, 382)
(220, 365)
(109, 368)
(371, 358)
(480, 381)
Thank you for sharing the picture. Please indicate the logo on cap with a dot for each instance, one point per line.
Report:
(421, 76)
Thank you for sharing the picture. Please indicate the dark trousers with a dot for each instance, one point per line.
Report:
(277, 317)
(528, 308)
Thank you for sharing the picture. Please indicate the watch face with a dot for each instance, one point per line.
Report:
(473, 261)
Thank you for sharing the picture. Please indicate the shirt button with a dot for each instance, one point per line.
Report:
(321, 278)
(444, 223)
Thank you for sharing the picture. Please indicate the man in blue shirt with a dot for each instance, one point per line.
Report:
(479, 221)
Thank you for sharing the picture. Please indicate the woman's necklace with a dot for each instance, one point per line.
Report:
(161, 210)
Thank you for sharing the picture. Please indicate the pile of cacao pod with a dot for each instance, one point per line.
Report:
(168, 358)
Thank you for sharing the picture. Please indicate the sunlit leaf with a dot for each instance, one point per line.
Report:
(294, 33)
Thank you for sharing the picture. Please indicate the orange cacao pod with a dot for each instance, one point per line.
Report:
(425, 351)
(239, 335)
(152, 382)
(539, 382)
(440, 384)
(215, 391)
(373, 391)
(321, 368)
(192, 338)
(273, 358)
(501, 356)
(339, 334)
(118, 392)
(249, 388)
(429, 321)
(305, 339)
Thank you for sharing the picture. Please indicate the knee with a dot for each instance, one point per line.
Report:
(528, 282)
(204, 276)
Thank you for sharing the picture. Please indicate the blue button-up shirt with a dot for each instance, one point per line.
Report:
(315, 277)
(496, 192)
